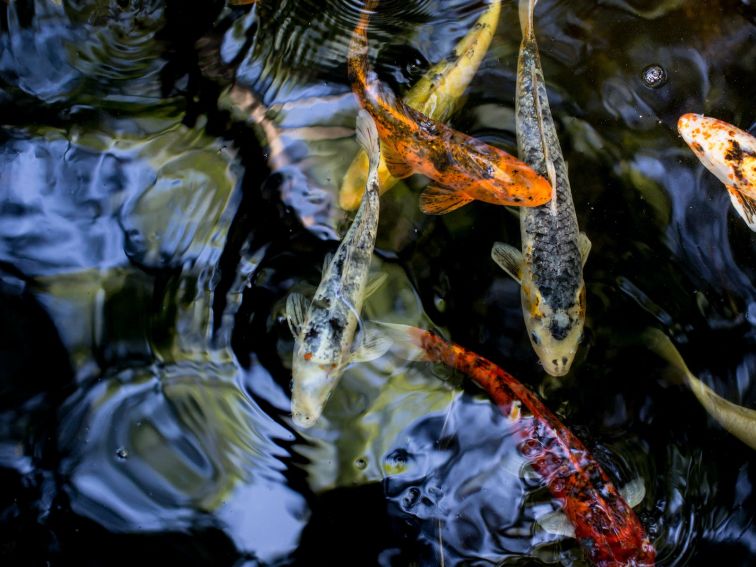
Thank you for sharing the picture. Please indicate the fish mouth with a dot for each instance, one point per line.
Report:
(312, 385)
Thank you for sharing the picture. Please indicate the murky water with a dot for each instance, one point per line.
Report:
(153, 223)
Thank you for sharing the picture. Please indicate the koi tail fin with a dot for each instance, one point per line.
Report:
(738, 420)
(367, 137)
(407, 340)
(527, 8)
(357, 57)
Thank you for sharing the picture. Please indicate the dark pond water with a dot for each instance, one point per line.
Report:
(149, 236)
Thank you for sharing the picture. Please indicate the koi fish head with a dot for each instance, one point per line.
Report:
(554, 333)
(313, 382)
(728, 152)
(506, 180)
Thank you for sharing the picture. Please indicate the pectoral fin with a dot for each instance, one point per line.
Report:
(396, 165)
(439, 200)
(584, 245)
(634, 492)
(296, 310)
(509, 259)
(375, 284)
(327, 259)
(557, 523)
(374, 345)
(745, 206)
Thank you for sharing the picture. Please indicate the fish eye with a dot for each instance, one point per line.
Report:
(535, 338)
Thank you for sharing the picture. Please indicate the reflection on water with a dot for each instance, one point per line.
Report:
(169, 172)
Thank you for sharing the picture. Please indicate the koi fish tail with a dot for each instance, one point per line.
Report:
(408, 340)
(527, 8)
(367, 137)
(357, 58)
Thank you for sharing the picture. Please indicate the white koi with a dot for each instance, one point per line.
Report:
(325, 330)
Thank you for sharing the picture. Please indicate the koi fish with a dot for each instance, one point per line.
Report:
(437, 95)
(325, 330)
(462, 169)
(607, 528)
(550, 266)
(738, 420)
(730, 154)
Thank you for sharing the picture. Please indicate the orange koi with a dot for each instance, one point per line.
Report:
(730, 154)
(462, 169)
(605, 525)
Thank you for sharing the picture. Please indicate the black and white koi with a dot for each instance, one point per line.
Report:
(325, 329)
(550, 266)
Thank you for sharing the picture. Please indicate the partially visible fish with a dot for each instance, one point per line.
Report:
(730, 154)
(738, 420)
(462, 168)
(605, 525)
(437, 95)
(325, 330)
(550, 266)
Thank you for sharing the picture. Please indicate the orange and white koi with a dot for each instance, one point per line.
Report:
(462, 169)
(604, 524)
(438, 94)
(730, 154)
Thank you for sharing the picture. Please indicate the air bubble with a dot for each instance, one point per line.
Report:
(122, 453)
(654, 76)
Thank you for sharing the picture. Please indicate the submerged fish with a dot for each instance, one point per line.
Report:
(437, 95)
(325, 330)
(604, 524)
(738, 420)
(462, 168)
(550, 266)
(730, 154)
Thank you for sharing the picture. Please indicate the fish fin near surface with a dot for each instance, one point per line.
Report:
(395, 164)
(367, 137)
(439, 200)
(633, 492)
(375, 284)
(509, 259)
(296, 311)
(745, 206)
(584, 246)
(375, 343)
(557, 523)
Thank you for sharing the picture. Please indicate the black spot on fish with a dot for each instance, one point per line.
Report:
(337, 327)
(442, 160)
(559, 331)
